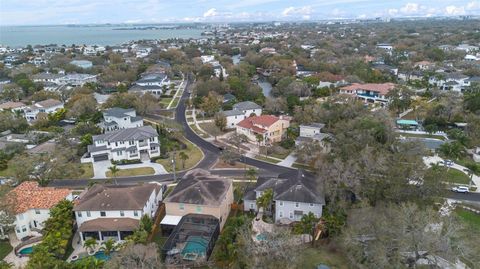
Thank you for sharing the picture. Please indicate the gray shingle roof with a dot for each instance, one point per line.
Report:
(246, 105)
(117, 112)
(137, 133)
(100, 197)
(228, 113)
(200, 187)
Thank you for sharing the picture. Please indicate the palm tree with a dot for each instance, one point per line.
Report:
(183, 156)
(90, 244)
(114, 170)
(307, 225)
(265, 200)
(108, 246)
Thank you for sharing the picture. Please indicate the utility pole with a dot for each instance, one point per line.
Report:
(174, 164)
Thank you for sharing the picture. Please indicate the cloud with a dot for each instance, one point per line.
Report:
(454, 10)
(210, 13)
(294, 11)
(410, 8)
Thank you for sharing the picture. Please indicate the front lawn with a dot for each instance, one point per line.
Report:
(194, 154)
(267, 159)
(455, 176)
(141, 171)
(311, 257)
(87, 170)
(5, 248)
(469, 218)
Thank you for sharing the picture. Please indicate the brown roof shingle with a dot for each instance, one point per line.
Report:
(104, 198)
(110, 224)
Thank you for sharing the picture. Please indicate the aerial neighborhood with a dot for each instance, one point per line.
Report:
(311, 144)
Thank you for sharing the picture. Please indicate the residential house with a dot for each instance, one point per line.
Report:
(268, 50)
(471, 58)
(467, 48)
(114, 212)
(93, 50)
(312, 133)
(142, 52)
(385, 68)
(453, 81)
(31, 204)
(200, 192)
(386, 47)
(46, 77)
(119, 49)
(293, 197)
(77, 79)
(423, 65)
(125, 144)
(158, 79)
(85, 64)
(12, 106)
(469, 82)
(47, 106)
(476, 154)
(38, 61)
(118, 118)
(240, 112)
(370, 92)
(264, 129)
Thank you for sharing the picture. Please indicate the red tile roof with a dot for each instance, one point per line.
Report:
(264, 120)
(29, 195)
(383, 88)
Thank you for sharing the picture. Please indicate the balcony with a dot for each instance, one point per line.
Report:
(143, 144)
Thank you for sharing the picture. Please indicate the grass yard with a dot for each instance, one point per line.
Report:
(455, 176)
(165, 101)
(281, 155)
(422, 136)
(87, 170)
(469, 218)
(5, 248)
(194, 156)
(311, 257)
(266, 159)
(141, 171)
(175, 102)
(197, 131)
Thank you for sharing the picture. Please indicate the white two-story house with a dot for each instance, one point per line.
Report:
(118, 118)
(114, 212)
(292, 197)
(31, 204)
(47, 106)
(240, 112)
(125, 144)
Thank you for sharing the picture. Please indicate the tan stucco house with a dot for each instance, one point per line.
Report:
(199, 192)
(270, 128)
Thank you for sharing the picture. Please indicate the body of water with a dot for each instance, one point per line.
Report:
(266, 87)
(19, 36)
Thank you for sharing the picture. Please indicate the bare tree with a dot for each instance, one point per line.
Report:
(136, 256)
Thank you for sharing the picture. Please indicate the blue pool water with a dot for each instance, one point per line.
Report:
(26, 251)
(100, 255)
(261, 237)
(196, 244)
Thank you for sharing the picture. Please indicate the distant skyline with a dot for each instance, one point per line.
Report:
(50, 12)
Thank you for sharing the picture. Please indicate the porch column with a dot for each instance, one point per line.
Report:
(118, 234)
(100, 236)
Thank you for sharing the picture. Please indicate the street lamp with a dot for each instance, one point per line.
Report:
(174, 166)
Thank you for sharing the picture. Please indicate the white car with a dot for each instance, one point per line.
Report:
(460, 189)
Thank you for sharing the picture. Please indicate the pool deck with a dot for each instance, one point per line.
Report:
(18, 262)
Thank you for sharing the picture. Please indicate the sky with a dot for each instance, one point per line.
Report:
(48, 12)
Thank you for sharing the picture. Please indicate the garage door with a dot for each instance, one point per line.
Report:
(102, 157)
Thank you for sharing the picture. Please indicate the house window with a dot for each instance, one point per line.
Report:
(18, 230)
(281, 203)
(119, 153)
(181, 206)
(37, 211)
(311, 205)
(291, 215)
(88, 214)
(135, 213)
(280, 214)
(79, 214)
(116, 144)
(20, 217)
(122, 213)
(103, 214)
(152, 148)
(297, 204)
(198, 209)
(251, 205)
(131, 142)
(24, 228)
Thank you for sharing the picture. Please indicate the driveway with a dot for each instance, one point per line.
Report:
(100, 168)
(289, 160)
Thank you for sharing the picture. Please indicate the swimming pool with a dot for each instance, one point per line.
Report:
(100, 255)
(195, 244)
(26, 251)
(261, 237)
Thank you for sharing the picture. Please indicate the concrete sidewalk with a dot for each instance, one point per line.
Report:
(101, 168)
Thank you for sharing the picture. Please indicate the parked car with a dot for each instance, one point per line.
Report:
(460, 189)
